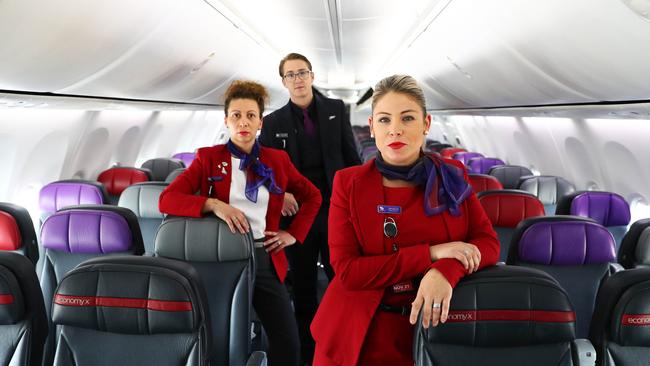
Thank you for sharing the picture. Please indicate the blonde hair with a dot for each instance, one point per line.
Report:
(403, 84)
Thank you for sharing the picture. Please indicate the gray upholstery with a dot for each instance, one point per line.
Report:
(23, 324)
(502, 315)
(161, 167)
(225, 263)
(173, 174)
(142, 199)
(635, 246)
(509, 175)
(132, 311)
(548, 188)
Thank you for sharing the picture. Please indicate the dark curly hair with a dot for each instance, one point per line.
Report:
(244, 89)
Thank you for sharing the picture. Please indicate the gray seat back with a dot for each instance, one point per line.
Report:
(23, 324)
(502, 315)
(131, 311)
(142, 199)
(635, 246)
(225, 262)
(509, 175)
(548, 188)
(620, 329)
(78, 233)
(173, 174)
(161, 167)
(575, 250)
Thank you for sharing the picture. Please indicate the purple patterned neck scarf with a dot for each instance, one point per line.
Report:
(444, 185)
(257, 174)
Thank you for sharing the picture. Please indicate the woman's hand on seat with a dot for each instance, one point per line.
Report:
(278, 240)
(234, 217)
(432, 299)
(465, 253)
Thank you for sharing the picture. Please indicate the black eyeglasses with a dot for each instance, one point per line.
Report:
(302, 74)
(390, 227)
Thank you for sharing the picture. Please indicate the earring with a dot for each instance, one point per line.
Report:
(372, 135)
(426, 133)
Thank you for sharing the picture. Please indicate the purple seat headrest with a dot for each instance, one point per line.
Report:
(57, 195)
(86, 231)
(566, 243)
(185, 157)
(483, 165)
(609, 209)
(465, 156)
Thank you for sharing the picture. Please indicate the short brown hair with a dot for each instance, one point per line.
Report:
(244, 89)
(402, 84)
(293, 56)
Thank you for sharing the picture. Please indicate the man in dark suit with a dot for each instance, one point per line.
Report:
(315, 131)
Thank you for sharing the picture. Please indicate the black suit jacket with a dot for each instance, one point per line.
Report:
(337, 142)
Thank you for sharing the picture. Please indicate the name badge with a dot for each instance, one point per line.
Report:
(282, 135)
(399, 288)
(386, 209)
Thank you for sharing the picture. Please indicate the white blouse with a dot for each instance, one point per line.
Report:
(255, 212)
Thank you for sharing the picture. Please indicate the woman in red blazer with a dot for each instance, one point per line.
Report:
(244, 183)
(401, 218)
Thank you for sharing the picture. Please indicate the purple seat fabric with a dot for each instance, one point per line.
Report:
(483, 165)
(186, 157)
(465, 156)
(566, 243)
(57, 195)
(607, 208)
(86, 231)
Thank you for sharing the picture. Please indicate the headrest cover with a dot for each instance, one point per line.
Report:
(566, 243)
(10, 238)
(483, 165)
(161, 167)
(201, 240)
(12, 306)
(57, 195)
(450, 151)
(609, 209)
(117, 179)
(142, 199)
(185, 157)
(127, 299)
(509, 175)
(508, 208)
(465, 157)
(642, 252)
(483, 182)
(86, 231)
(506, 306)
(549, 189)
(174, 173)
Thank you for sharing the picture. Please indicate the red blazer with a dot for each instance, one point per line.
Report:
(364, 267)
(179, 198)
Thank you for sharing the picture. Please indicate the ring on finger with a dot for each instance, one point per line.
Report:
(436, 305)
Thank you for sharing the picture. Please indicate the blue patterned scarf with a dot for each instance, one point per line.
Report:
(257, 174)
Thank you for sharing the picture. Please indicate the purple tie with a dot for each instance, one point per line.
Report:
(310, 129)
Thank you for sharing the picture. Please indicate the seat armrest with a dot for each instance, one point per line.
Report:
(615, 267)
(258, 358)
(583, 352)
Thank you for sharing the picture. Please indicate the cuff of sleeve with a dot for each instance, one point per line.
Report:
(451, 269)
(416, 258)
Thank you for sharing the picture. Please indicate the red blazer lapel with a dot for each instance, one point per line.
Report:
(367, 194)
(220, 168)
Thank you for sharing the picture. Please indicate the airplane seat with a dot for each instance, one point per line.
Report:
(548, 188)
(506, 208)
(448, 152)
(576, 251)
(185, 157)
(161, 167)
(483, 182)
(116, 180)
(173, 174)
(70, 192)
(368, 153)
(635, 246)
(142, 199)
(78, 233)
(437, 146)
(465, 156)
(225, 263)
(509, 175)
(23, 323)
(607, 208)
(620, 328)
(505, 315)
(17, 232)
(131, 311)
(482, 165)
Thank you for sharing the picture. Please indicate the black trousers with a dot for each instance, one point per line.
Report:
(273, 306)
(302, 261)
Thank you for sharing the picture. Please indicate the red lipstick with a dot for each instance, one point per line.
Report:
(396, 145)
